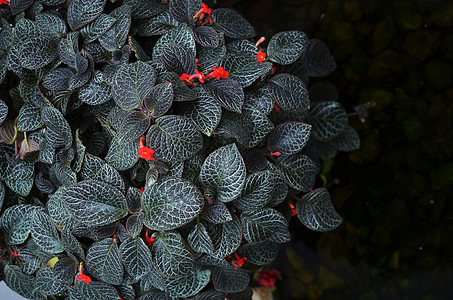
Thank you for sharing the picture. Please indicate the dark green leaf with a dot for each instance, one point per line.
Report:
(156, 25)
(71, 244)
(122, 156)
(21, 187)
(199, 239)
(216, 213)
(82, 12)
(44, 233)
(65, 269)
(95, 93)
(264, 224)
(224, 170)
(58, 212)
(227, 92)
(319, 61)
(94, 30)
(18, 6)
(328, 119)
(299, 171)
(226, 237)
(134, 224)
(94, 203)
(68, 49)
(96, 290)
(179, 35)
(189, 285)
(133, 126)
(315, 210)
(206, 36)
(256, 192)
(286, 47)
(111, 176)
(6, 34)
(58, 131)
(280, 189)
(260, 99)
(132, 83)
(126, 291)
(174, 138)
(184, 10)
(181, 92)
(51, 25)
(232, 24)
(58, 79)
(21, 283)
(37, 52)
(145, 8)
(204, 112)
(261, 253)
(115, 37)
(15, 223)
(170, 254)
(29, 118)
(230, 280)
(289, 92)
(159, 101)
(171, 203)
(104, 261)
(48, 282)
(3, 111)
(24, 30)
(347, 140)
(288, 138)
(176, 58)
(136, 257)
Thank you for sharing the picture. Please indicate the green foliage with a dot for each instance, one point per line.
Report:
(97, 110)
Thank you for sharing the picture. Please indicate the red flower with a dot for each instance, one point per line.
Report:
(204, 10)
(4, 2)
(142, 189)
(261, 56)
(239, 262)
(148, 240)
(81, 276)
(293, 209)
(277, 109)
(268, 278)
(218, 73)
(276, 153)
(145, 152)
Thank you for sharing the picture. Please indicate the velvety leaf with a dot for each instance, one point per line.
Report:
(189, 285)
(134, 224)
(179, 35)
(3, 111)
(243, 68)
(122, 156)
(256, 192)
(24, 30)
(68, 49)
(159, 100)
(71, 244)
(315, 210)
(176, 58)
(94, 30)
(181, 92)
(289, 92)
(264, 224)
(58, 212)
(15, 223)
(206, 36)
(29, 118)
(82, 12)
(58, 79)
(230, 280)
(319, 60)
(157, 25)
(328, 119)
(6, 34)
(133, 126)
(44, 233)
(260, 99)
(224, 171)
(174, 138)
(136, 257)
(37, 52)
(171, 203)
(58, 131)
(111, 176)
(199, 239)
(205, 112)
(21, 187)
(216, 213)
(19, 282)
(95, 93)
(132, 83)
(65, 269)
(226, 237)
(94, 203)
(170, 254)
(126, 291)
(288, 138)
(347, 140)
(18, 6)
(286, 47)
(232, 24)
(261, 253)
(211, 57)
(48, 282)
(227, 92)
(184, 10)
(145, 8)
(96, 290)
(104, 261)
(299, 171)
(280, 190)
(115, 37)
(51, 25)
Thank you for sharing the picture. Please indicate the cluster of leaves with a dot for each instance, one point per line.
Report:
(87, 79)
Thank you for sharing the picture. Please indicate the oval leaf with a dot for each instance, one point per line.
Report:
(328, 119)
(264, 224)
(286, 47)
(288, 138)
(299, 171)
(82, 12)
(289, 92)
(104, 261)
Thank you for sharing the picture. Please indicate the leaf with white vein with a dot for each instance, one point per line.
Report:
(264, 224)
(136, 257)
(104, 261)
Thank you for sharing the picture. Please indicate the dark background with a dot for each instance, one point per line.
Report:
(395, 192)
